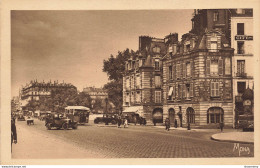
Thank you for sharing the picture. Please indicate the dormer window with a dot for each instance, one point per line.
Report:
(216, 16)
(213, 44)
(188, 47)
(156, 49)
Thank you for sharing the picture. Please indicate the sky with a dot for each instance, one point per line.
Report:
(70, 46)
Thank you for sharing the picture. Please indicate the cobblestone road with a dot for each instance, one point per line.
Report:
(144, 142)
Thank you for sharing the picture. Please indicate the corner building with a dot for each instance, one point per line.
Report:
(142, 81)
(197, 80)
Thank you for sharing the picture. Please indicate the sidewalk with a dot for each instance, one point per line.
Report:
(236, 137)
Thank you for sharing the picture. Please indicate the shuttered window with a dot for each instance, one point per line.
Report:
(208, 67)
(184, 70)
(227, 66)
(214, 89)
(220, 66)
(157, 96)
(184, 91)
(157, 81)
(191, 90)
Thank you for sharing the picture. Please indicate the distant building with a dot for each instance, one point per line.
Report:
(96, 93)
(34, 90)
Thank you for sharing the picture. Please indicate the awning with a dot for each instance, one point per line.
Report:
(77, 108)
(134, 109)
(170, 91)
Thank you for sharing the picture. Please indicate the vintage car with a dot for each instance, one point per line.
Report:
(20, 118)
(78, 113)
(59, 121)
(107, 118)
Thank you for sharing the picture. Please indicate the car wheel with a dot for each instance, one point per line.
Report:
(75, 126)
(58, 128)
(65, 126)
(113, 121)
(48, 126)
(96, 121)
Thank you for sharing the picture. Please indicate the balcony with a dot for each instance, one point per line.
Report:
(241, 74)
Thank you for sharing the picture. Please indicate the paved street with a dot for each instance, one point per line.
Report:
(92, 141)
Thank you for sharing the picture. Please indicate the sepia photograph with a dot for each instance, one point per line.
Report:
(132, 84)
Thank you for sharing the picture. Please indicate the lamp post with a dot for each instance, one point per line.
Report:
(106, 122)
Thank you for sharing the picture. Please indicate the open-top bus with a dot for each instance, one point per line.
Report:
(78, 114)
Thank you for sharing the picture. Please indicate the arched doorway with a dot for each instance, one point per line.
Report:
(157, 116)
(190, 113)
(215, 115)
(171, 116)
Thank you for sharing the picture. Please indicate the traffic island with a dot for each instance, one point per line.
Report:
(234, 137)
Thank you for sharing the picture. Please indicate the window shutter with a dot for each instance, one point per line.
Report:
(208, 67)
(191, 69)
(212, 89)
(173, 92)
(217, 88)
(181, 70)
(184, 91)
(220, 66)
(184, 70)
(191, 90)
(180, 91)
(177, 94)
(173, 72)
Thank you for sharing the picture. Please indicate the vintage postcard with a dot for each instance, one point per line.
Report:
(129, 82)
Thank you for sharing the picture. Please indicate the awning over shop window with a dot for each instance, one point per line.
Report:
(134, 109)
(170, 91)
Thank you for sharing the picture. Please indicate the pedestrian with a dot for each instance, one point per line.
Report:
(167, 124)
(175, 123)
(144, 120)
(126, 123)
(135, 120)
(13, 133)
(221, 125)
(119, 122)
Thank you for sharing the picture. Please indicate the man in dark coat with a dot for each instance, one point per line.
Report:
(221, 125)
(13, 133)
(167, 124)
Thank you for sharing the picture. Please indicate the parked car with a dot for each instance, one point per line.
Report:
(109, 118)
(20, 118)
(59, 121)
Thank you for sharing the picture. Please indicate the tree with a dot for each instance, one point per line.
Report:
(115, 67)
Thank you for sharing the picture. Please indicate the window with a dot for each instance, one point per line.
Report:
(240, 67)
(157, 64)
(214, 89)
(213, 46)
(227, 66)
(178, 71)
(156, 49)
(216, 16)
(138, 97)
(137, 64)
(138, 82)
(188, 47)
(240, 47)
(170, 72)
(215, 115)
(214, 67)
(170, 93)
(127, 98)
(240, 29)
(179, 91)
(190, 115)
(157, 96)
(188, 69)
(157, 81)
(188, 90)
(241, 87)
(127, 83)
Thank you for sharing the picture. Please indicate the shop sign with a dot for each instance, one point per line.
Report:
(243, 37)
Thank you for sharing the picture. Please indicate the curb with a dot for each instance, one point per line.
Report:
(230, 141)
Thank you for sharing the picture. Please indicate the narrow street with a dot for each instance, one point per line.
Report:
(93, 141)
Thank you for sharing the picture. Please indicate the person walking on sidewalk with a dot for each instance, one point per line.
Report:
(221, 125)
(167, 124)
(119, 122)
(13, 133)
(126, 123)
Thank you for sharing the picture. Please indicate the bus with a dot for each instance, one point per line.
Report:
(79, 114)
